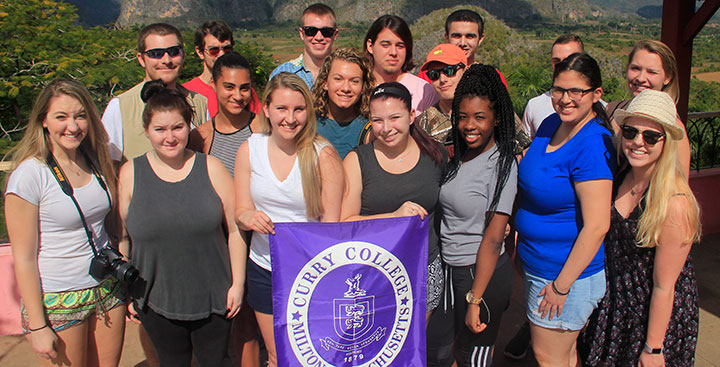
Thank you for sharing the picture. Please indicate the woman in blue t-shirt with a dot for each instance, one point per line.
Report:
(565, 186)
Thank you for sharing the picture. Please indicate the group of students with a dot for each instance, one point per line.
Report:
(179, 212)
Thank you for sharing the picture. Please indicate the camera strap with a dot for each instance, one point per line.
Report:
(68, 190)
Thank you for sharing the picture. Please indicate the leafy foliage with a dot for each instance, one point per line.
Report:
(42, 42)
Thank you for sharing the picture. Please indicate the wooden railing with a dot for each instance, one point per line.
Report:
(703, 129)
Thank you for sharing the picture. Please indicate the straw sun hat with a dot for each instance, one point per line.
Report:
(655, 106)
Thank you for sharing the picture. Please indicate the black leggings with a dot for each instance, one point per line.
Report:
(448, 321)
(175, 341)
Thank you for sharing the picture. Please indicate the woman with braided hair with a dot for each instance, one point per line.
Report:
(477, 197)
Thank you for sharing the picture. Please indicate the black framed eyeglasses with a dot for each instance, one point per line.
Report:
(649, 137)
(448, 70)
(575, 94)
(158, 53)
(312, 31)
(215, 50)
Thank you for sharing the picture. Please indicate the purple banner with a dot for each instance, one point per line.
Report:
(350, 294)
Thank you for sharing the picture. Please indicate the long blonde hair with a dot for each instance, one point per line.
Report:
(36, 142)
(667, 180)
(669, 64)
(306, 140)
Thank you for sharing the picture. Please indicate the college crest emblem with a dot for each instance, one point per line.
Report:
(349, 294)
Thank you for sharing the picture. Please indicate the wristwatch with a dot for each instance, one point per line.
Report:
(650, 350)
(470, 298)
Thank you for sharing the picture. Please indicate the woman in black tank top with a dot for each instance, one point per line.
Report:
(398, 174)
(174, 203)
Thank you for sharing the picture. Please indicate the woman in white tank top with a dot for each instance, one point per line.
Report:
(286, 173)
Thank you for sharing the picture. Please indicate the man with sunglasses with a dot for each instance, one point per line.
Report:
(161, 54)
(444, 66)
(212, 40)
(318, 32)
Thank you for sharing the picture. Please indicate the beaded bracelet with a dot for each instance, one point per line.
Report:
(554, 288)
(38, 329)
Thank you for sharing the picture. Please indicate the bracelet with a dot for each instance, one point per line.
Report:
(557, 291)
(38, 329)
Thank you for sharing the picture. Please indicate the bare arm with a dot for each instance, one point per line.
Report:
(683, 151)
(246, 216)
(126, 180)
(487, 256)
(22, 225)
(333, 183)
(223, 184)
(353, 192)
(595, 198)
(200, 138)
(670, 256)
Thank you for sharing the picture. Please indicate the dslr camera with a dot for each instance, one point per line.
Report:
(109, 261)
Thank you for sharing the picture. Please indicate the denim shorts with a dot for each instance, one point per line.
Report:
(585, 294)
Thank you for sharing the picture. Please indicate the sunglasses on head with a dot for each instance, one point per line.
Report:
(312, 31)
(650, 137)
(448, 70)
(158, 53)
(215, 50)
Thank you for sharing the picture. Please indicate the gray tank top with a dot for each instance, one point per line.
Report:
(178, 243)
(384, 192)
(225, 146)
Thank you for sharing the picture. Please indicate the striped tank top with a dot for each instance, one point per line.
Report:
(225, 146)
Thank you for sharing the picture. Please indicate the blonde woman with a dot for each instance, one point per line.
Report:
(284, 173)
(70, 317)
(342, 99)
(652, 65)
(649, 315)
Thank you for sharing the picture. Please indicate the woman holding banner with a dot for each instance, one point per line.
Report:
(398, 174)
(477, 198)
(286, 173)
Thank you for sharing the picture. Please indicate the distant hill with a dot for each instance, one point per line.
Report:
(190, 13)
(500, 41)
(90, 14)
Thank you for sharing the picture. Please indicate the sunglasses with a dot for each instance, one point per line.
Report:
(448, 70)
(158, 53)
(312, 31)
(575, 94)
(215, 50)
(649, 137)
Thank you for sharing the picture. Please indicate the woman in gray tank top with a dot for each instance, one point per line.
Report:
(174, 203)
(398, 174)
(222, 136)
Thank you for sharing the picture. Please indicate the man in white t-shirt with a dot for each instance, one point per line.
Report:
(540, 107)
(389, 45)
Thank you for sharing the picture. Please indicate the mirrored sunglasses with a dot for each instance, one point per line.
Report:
(448, 70)
(158, 53)
(215, 50)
